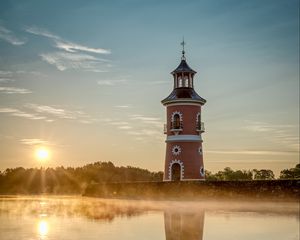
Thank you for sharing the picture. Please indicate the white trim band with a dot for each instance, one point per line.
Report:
(184, 138)
(186, 103)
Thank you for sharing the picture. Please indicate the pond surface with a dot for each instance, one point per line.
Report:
(57, 217)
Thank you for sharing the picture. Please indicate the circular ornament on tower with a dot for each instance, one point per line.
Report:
(200, 150)
(176, 150)
(202, 172)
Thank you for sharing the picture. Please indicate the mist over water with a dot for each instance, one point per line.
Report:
(75, 217)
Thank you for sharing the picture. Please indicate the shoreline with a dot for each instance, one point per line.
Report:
(274, 190)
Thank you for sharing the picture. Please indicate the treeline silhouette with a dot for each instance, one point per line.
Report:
(70, 180)
(229, 174)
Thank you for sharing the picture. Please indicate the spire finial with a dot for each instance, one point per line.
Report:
(183, 52)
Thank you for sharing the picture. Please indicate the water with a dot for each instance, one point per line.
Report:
(47, 218)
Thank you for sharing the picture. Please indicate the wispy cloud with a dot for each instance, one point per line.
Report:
(63, 61)
(13, 90)
(59, 112)
(125, 127)
(147, 128)
(65, 45)
(71, 55)
(285, 134)
(265, 127)
(34, 141)
(251, 152)
(111, 82)
(18, 113)
(145, 119)
(9, 36)
(41, 32)
(5, 73)
(73, 47)
(4, 80)
(154, 121)
(48, 113)
(122, 106)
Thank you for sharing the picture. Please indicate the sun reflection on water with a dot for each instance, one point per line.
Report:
(43, 228)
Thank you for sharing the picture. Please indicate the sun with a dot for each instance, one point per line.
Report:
(42, 154)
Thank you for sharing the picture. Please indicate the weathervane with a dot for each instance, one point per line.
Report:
(183, 52)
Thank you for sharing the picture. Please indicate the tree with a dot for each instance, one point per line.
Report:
(263, 174)
(229, 175)
(292, 173)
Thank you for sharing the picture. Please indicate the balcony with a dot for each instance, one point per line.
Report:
(200, 127)
(176, 127)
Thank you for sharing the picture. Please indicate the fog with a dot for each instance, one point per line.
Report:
(108, 209)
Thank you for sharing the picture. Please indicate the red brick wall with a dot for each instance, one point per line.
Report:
(189, 156)
(189, 113)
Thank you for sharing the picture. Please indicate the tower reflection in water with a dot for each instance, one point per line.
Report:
(180, 225)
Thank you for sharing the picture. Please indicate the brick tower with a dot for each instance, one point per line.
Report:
(184, 154)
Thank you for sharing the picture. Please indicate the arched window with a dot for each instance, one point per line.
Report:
(186, 82)
(198, 120)
(179, 82)
(176, 121)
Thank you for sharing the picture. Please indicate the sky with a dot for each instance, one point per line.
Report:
(84, 79)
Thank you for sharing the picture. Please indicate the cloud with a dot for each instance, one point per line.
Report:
(252, 152)
(122, 106)
(71, 55)
(287, 135)
(125, 127)
(9, 37)
(61, 113)
(49, 113)
(144, 119)
(73, 47)
(145, 132)
(13, 90)
(63, 61)
(155, 122)
(147, 128)
(57, 112)
(41, 32)
(34, 141)
(4, 80)
(18, 113)
(111, 82)
(64, 44)
(5, 72)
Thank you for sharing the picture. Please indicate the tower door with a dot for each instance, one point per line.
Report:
(176, 172)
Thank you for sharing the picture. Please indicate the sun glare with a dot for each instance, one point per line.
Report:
(43, 228)
(42, 154)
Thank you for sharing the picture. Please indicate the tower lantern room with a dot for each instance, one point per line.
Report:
(184, 153)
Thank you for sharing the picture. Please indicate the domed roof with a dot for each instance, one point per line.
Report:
(183, 67)
(184, 94)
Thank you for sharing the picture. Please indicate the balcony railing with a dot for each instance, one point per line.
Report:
(176, 126)
(200, 127)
